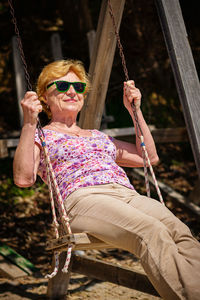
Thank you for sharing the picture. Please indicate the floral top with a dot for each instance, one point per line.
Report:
(81, 161)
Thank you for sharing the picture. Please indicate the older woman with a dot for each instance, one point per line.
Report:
(97, 194)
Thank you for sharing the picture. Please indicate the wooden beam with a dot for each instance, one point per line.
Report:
(3, 149)
(183, 67)
(160, 135)
(101, 64)
(91, 36)
(93, 268)
(112, 273)
(20, 79)
(56, 46)
(9, 270)
(194, 195)
(17, 259)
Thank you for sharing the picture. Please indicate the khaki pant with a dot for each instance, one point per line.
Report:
(121, 217)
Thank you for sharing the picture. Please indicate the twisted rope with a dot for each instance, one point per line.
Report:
(52, 183)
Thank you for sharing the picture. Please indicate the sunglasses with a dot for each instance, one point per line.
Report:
(63, 86)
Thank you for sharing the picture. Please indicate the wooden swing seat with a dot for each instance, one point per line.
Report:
(93, 268)
(81, 241)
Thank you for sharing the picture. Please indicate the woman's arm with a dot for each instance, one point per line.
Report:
(130, 155)
(27, 155)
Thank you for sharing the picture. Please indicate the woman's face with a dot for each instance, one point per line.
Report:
(67, 102)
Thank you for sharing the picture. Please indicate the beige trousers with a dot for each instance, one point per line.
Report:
(143, 226)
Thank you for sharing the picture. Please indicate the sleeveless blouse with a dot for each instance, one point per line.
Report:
(81, 161)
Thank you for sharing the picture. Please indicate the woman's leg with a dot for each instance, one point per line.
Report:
(188, 258)
(103, 212)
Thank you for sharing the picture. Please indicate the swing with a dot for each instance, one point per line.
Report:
(65, 240)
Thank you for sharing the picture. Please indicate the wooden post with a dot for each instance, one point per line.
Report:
(91, 35)
(20, 79)
(184, 70)
(56, 46)
(101, 64)
(194, 196)
(88, 25)
(3, 149)
(58, 285)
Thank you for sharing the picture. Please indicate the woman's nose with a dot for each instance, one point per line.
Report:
(71, 90)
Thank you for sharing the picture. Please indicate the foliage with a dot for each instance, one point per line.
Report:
(10, 194)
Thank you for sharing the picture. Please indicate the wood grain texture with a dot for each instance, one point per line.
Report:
(183, 66)
(101, 65)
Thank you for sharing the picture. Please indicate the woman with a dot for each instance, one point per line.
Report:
(97, 194)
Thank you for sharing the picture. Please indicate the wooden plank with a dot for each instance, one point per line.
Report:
(81, 241)
(194, 195)
(17, 259)
(160, 135)
(56, 47)
(91, 35)
(58, 285)
(20, 79)
(12, 143)
(9, 270)
(3, 149)
(113, 273)
(169, 135)
(101, 64)
(183, 67)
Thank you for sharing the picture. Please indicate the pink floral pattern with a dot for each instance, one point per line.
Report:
(81, 161)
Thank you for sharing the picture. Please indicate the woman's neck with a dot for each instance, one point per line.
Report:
(64, 122)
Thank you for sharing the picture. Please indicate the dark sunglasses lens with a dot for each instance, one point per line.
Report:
(62, 86)
(79, 87)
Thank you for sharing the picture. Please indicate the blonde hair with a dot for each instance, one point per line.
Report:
(56, 70)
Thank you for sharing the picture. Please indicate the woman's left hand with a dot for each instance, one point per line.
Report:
(131, 95)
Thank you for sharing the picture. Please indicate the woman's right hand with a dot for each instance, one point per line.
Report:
(31, 106)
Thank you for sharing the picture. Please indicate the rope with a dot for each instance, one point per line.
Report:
(139, 132)
(52, 183)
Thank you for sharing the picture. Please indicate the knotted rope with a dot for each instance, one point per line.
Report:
(53, 186)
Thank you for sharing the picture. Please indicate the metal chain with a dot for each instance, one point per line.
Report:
(20, 46)
(121, 53)
(14, 20)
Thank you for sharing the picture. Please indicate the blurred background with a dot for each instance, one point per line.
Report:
(144, 48)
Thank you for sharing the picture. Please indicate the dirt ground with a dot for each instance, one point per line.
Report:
(81, 287)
